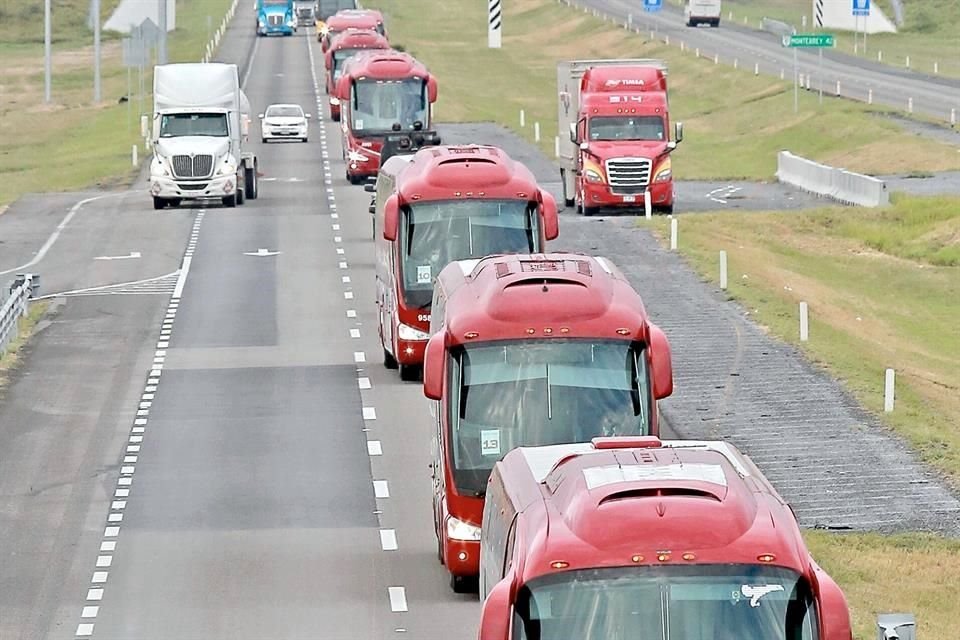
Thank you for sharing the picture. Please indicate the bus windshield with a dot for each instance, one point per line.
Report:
(378, 105)
(532, 393)
(434, 234)
(705, 602)
(338, 57)
(174, 125)
(627, 128)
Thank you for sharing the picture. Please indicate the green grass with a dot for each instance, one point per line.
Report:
(10, 358)
(735, 122)
(929, 34)
(883, 286)
(21, 23)
(894, 574)
(73, 144)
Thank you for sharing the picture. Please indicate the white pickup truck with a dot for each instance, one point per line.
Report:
(696, 12)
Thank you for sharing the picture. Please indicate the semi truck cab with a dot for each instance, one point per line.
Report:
(276, 17)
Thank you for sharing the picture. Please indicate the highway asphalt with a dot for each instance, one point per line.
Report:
(933, 96)
(224, 456)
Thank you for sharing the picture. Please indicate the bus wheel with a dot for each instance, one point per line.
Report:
(388, 360)
(409, 373)
(461, 584)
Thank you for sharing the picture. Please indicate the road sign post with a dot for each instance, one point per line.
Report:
(805, 41)
(860, 9)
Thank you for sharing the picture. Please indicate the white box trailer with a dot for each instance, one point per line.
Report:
(201, 121)
(696, 12)
(569, 73)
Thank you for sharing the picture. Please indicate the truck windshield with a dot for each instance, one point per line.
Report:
(378, 105)
(530, 393)
(627, 128)
(433, 234)
(174, 125)
(705, 602)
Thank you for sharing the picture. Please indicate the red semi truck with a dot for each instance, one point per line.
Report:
(442, 204)
(638, 538)
(380, 93)
(342, 46)
(615, 115)
(530, 350)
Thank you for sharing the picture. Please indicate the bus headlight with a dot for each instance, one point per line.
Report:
(460, 530)
(409, 333)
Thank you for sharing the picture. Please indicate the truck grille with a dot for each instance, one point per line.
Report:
(200, 166)
(275, 20)
(628, 176)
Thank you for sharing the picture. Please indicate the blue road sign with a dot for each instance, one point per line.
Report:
(861, 7)
(652, 5)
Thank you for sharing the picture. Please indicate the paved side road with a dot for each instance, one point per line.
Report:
(832, 461)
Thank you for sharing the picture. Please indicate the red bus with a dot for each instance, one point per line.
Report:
(342, 47)
(349, 19)
(529, 350)
(380, 93)
(446, 203)
(638, 538)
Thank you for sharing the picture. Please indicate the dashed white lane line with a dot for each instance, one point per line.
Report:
(369, 413)
(374, 448)
(108, 545)
(359, 356)
(351, 313)
(348, 295)
(398, 599)
(343, 265)
(388, 539)
(381, 489)
(345, 279)
(354, 333)
(364, 383)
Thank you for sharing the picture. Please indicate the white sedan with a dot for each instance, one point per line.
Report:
(283, 121)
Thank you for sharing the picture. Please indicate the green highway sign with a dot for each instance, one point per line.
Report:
(809, 40)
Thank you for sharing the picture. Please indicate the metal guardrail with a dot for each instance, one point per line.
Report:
(824, 180)
(14, 305)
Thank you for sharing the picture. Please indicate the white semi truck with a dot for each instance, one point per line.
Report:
(201, 120)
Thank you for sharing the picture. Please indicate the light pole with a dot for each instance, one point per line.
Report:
(95, 12)
(46, 51)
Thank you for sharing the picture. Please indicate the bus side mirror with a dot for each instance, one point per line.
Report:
(548, 209)
(678, 131)
(343, 88)
(433, 359)
(496, 614)
(391, 218)
(835, 614)
(660, 363)
(432, 89)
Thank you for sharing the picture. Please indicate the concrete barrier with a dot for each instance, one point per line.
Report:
(831, 182)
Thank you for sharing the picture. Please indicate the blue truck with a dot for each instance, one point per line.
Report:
(276, 16)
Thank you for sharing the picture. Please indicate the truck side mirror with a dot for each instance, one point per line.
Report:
(573, 132)
(391, 218)
(144, 126)
(660, 362)
(496, 614)
(432, 89)
(548, 210)
(678, 131)
(307, 116)
(245, 126)
(433, 360)
(260, 115)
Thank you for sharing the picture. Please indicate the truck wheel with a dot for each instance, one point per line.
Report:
(175, 202)
(230, 200)
(590, 211)
(409, 373)
(159, 203)
(567, 200)
(668, 209)
(715, 23)
(388, 360)
(250, 182)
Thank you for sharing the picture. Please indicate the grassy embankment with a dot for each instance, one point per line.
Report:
(10, 357)
(735, 124)
(72, 143)
(929, 33)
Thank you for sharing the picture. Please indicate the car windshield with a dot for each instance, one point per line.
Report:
(532, 393)
(437, 233)
(701, 602)
(380, 106)
(627, 128)
(284, 112)
(193, 124)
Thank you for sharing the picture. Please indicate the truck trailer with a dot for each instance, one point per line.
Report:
(615, 144)
(201, 119)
